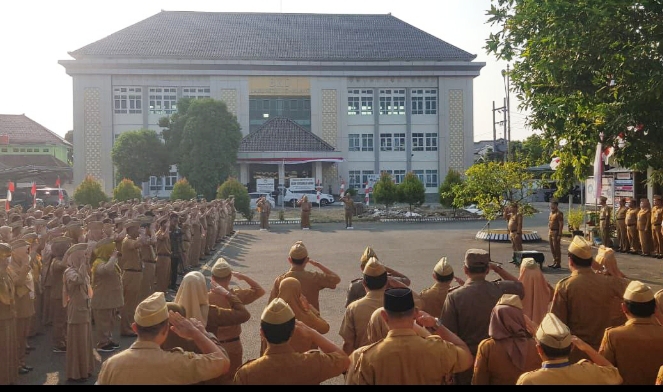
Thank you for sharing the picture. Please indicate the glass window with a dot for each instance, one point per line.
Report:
(353, 105)
(424, 101)
(127, 100)
(353, 139)
(367, 142)
(354, 179)
(399, 142)
(366, 102)
(364, 177)
(385, 142)
(417, 142)
(398, 176)
(431, 142)
(195, 92)
(45, 150)
(163, 100)
(170, 181)
(431, 179)
(420, 174)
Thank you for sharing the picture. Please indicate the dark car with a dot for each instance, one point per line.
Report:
(548, 195)
(51, 197)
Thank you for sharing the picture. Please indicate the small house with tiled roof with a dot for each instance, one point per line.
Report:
(384, 94)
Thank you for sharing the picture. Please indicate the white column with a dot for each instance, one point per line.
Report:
(244, 173)
(317, 168)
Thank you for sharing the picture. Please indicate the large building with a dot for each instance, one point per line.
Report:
(349, 95)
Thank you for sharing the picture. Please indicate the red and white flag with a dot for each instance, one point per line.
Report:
(33, 192)
(342, 188)
(598, 170)
(10, 190)
(60, 196)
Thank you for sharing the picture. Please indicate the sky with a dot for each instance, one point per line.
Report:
(38, 33)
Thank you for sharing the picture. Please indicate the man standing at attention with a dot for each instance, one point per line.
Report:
(605, 220)
(620, 220)
(656, 220)
(514, 220)
(632, 226)
(349, 207)
(555, 228)
(644, 227)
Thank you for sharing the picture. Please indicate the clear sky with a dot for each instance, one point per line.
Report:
(37, 33)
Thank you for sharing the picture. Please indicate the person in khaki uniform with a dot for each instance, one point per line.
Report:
(583, 300)
(644, 227)
(306, 208)
(514, 220)
(632, 227)
(605, 221)
(433, 297)
(555, 229)
(132, 274)
(163, 256)
(349, 210)
(656, 220)
(510, 350)
(312, 281)
(280, 364)
(620, 222)
(264, 208)
(229, 336)
(107, 298)
(636, 348)
(148, 256)
(554, 344)
(145, 363)
(21, 274)
(404, 357)
(9, 366)
(356, 289)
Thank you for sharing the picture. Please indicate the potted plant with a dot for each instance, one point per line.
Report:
(575, 218)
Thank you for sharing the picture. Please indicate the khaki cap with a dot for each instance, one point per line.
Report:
(368, 253)
(528, 263)
(553, 332)
(152, 310)
(443, 268)
(95, 225)
(605, 254)
(277, 312)
(477, 258)
(659, 300)
(17, 244)
(603, 198)
(30, 237)
(221, 268)
(76, 247)
(16, 224)
(132, 223)
(374, 268)
(580, 247)
(298, 251)
(5, 249)
(637, 291)
(510, 300)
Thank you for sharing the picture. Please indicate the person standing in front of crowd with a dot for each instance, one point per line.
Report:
(9, 365)
(555, 229)
(306, 208)
(620, 221)
(514, 220)
(636, 347)
(632, 227)
(349, 209)
(262, 205)
(554, 344)
(644, 227)
(107, 298)
(466, 311)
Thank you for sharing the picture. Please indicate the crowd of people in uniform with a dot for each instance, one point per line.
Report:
(79, 270)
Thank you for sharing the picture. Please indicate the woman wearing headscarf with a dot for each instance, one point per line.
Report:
(510, 349)
(538, 292)
(108, 296)
(193, 296)
(9, 368)
(76, 296)
(290, 290)
(606, 264)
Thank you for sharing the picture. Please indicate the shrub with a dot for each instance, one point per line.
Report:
(411, 191)
(127, 190)
(242, 200)
(182, 190)
(446, 188)
(89, 191)
(385, 191)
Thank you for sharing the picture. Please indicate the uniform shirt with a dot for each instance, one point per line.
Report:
(466, 311)
(605, 215)
(405, 358)
(644, 217)
(493, 366)
(583, 302)
(245, 296)
(581, 373)
(433, 298)
(354, 325)
(515, 222)
(632, 216)
(636, 349)
(656, 215)
(312, 283)
(555, 222)
(176, 246)
(281, 365)
(621, 213)
(145, 363)
(130, 255)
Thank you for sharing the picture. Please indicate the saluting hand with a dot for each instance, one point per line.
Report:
(181, 325)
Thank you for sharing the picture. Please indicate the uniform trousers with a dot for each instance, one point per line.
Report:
(104, 324)
(131, 290)
(622, 236)
(59, 332)
(633, 238)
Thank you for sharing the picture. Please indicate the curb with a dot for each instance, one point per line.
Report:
(385, 220)
(503, 237)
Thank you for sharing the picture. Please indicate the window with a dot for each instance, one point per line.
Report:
(195, 92)
(353, 139)
(30, 150)
(355, 179)
(4, 149)
(171, 179)
(22, 149)
(364, 177)
(424, 101)
(399, 142)
(163, 100)
(392, 101)
(385, 142)
(431, 179)
(367, 142)
(128, 100)
(156, 183)
(392, 142)
(15, 149)
(420, 174)
(366, 102)
(45, 150)
(417, 142)
(353, 102)
(431, 142)
(360, 102)
(396, 175)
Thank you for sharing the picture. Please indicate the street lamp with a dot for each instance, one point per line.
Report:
(505, 77)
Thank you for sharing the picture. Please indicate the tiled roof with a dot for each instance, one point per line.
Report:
(274, 36)
(22, 130)
(282, 134)
(10, 161)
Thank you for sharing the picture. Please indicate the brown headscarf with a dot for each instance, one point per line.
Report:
(537, 291)
(290, 290)
(507, 328)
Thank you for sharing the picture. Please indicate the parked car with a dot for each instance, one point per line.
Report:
(292, 197)
(256, 195)
(548, 195)
(50, 196)
(473, 209)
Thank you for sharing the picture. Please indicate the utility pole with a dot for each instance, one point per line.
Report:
(502, 123)
(507, 88)
(505, 122)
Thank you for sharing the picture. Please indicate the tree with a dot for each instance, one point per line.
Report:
(242, 200)
(173, 130)
(210, 139)
(446, 195)
(182, 190)
(127, 190)
(69, 136)
(137, 155)
(491, 184)
(586, 69)
(89, 191)
(385, 191)
(411, 191)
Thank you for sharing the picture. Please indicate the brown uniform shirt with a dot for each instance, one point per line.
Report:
(644, 218)
(493, 366)
(621, 213)
(580, 373)
(556, 222)
(280, 364)
(357, 315)
(583, 301)
(636, 349)
(433, 298)
(130, 255)
(245, 296)
(656, 216)
(405, 358)
(632, 216)
(312, 283)
(107, 286)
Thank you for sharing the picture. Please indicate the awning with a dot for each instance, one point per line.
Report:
(287, 161)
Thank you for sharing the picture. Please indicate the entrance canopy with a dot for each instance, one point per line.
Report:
(288, 161)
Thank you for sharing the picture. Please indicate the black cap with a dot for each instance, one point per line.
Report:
(398, 300)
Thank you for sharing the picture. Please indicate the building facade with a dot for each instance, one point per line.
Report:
(383, 94)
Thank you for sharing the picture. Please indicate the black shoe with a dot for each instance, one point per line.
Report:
(555, 266)
(59, 349)
(107, 348)
(28, 368)
(116, 345)
(22, 370)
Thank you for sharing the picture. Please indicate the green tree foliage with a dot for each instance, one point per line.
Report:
(209, 145)
(583, 69)
(182, 190)
(533, 151)
(173, 130)
(411, 191)
(385, 191)
(89, 191)
(491, 184)
(137, 155)
(127, 190)
(232, 186)
(69, 136)
(446, 195)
